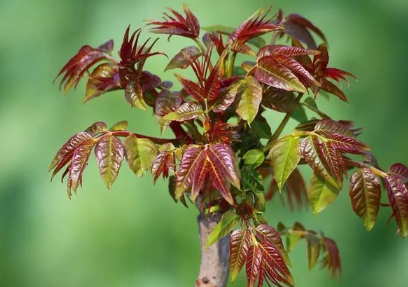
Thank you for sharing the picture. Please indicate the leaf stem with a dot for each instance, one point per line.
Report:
(282, 125)
(364, 165)
(231, 64)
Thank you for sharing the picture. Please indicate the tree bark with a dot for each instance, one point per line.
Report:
(214, 265)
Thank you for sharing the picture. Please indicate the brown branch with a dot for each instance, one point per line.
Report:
(214, 265)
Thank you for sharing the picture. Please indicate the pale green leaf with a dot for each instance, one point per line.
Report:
(284, 156)
(228, 221)
(321, 193)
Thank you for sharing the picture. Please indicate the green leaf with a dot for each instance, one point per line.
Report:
(313, 248)
(365, 195)
(299, 115)
(254, 158)
(261, 128)
(251, 97)
(109, 153)
(120, 126)
(140, 154)
(293, 236)
(321, 193)
(228, 221)
(284, 156)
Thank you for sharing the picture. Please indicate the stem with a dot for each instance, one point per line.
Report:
(200, 45)
(214, 265)
(231, 64)
(363, 165)
(153, 139)
(282, 125)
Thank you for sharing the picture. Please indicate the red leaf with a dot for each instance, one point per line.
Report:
(365, 195)
(275, 267)
(69, 147)
(298, 27)
(191, 88)
(80, 63)
(254, 26)
(78, 164)
(332, 260)
(268, 234)
(224, 158)
(239, 245)
(193, 158)
(399, 169)
(131, 53)
(164, 163)
(177, 25)
(253, 264)
(398, 197)
(167, 102)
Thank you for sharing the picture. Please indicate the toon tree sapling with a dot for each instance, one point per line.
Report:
(224, 149)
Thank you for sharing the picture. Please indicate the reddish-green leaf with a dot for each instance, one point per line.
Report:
(165, 162)
(226, 98)
(104, 78)
(311, 151)
(185, 112)
(272, 73)
(250, 99)
(69, 147)
(97, 128)
(167, 102)
(78, 164)
(182, 59)
(109, 153)
(134, 95)
(332, 258)
(239, 245)
(365, 195)
(187, 26)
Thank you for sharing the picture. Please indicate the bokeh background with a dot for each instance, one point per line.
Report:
(134, 234)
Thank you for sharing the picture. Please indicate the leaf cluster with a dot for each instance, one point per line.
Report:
(224, 150)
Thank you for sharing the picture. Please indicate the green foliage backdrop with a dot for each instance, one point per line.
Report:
(134, 235)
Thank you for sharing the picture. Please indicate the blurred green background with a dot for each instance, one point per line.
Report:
(134, 235)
